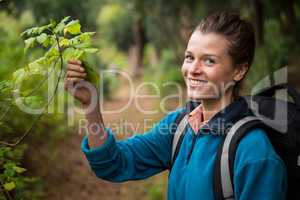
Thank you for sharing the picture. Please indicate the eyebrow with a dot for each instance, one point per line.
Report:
(186, 52)
(189, 52)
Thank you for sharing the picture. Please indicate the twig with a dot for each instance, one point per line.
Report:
(3, 143)
(32, 91)
(42, 82)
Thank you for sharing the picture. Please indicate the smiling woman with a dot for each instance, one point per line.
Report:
(207, 66)
(218, 56)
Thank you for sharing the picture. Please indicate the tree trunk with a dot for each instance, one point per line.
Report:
(136, 51)
(290, 22)
(259, 21)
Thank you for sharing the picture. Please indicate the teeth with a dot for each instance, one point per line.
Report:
(196, 82)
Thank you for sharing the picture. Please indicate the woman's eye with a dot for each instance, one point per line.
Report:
(188, 57)
(209, 61)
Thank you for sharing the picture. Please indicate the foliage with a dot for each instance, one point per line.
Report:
(43, 10)
(165, 71)
(62, 41)
(272, 55)
(14, 184)
(166, 25)
(115, 24)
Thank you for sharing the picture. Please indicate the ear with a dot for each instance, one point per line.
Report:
(240, 71)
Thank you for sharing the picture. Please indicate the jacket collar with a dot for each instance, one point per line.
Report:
(222, 121)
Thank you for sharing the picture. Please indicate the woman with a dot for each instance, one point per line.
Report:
(217, 58)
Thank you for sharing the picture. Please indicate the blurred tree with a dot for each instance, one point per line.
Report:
(43, 10)
(167, 24)
(136, 50)
(122, 23)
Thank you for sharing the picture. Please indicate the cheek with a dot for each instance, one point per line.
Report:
(221, 77)
(183, 69)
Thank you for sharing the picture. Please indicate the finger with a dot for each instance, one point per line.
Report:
(67, 84)
(75, 80)
(70, 82)
(75, 61)
(75, 74)
(75, 67)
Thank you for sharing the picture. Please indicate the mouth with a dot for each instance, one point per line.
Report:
(196, 82)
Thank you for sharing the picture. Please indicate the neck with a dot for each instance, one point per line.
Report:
(213, 106)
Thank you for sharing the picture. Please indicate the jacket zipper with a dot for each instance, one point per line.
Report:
(191, 150)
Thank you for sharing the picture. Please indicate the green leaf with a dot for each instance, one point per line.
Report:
(84, 45)
(92, 75)
(64, 42)
(52, 53)
(75, 41)
(43, 39)
(73, 27)
(19, 169)
(83, 39)
(86, 36)
(18, 74)
(39, 66)
(9, 172)
(31, 32)
(9, 186)
(37, 30)
(61, 25)
(5, 86)
(52, 23)
(31, 101)
(90, 50)
(43, 28)
(29, 43)
(71, 53)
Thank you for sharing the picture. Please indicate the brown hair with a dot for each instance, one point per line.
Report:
(239, 33)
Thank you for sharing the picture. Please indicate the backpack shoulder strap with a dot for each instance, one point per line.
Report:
(224, 164)
(181, 122)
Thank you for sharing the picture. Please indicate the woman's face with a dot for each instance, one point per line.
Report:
(207, 68)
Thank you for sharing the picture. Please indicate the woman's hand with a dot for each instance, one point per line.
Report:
(77, 84)
(86, 92)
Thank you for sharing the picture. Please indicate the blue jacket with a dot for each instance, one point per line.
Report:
(259, 173)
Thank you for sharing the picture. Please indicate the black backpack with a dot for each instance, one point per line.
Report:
(281, 121)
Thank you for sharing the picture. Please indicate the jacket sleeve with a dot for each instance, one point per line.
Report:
(259, 171)
(135, 158)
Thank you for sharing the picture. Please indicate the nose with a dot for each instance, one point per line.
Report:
(195, 67)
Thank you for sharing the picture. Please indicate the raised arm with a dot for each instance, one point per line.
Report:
(87, 94)
(135, 158)
(138, 157)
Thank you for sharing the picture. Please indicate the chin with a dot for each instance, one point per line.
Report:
(195, 96)
(201, 95)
